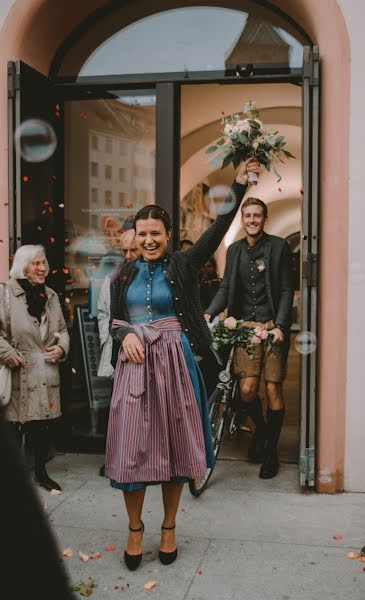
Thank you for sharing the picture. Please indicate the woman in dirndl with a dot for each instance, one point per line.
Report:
(159, 429)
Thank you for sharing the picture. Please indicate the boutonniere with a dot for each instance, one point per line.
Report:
(260, 265)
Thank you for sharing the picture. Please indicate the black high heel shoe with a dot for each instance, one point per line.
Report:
(166, 558)
(133, 561)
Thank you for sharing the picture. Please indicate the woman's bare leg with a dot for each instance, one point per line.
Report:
(134, 505)
(171, 493)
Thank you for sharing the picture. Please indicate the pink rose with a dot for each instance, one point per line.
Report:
(230, 323)
(264, 334)
(241, 126)
(257, 329)
(256, 340)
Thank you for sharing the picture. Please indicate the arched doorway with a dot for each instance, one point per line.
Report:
(313, 26)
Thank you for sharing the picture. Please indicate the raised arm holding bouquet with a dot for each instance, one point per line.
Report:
(245, 138)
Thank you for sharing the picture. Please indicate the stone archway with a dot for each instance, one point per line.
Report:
(35, 29)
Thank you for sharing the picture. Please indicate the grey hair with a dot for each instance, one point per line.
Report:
(22, 259)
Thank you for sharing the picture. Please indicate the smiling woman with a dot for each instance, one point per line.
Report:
(159, 428)
(153, 231)
(32, 344)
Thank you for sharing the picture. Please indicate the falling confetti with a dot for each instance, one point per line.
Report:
(68, 552)
(61, 205)
(52, 239)
(74, 371)
(337, 537)
(55, 492)
(25, 178)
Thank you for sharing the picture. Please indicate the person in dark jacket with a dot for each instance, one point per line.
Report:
(258, 289)
(30, 559)
(159, 428)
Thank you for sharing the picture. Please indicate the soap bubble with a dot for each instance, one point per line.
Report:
(305, 342)
(35, 140)
(217, 200)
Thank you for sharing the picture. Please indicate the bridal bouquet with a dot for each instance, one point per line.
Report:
(231, 333)
(248, 137)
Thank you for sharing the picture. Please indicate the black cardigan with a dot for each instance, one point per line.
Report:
(182, 274)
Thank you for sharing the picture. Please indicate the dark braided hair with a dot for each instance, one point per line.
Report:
(153, 211)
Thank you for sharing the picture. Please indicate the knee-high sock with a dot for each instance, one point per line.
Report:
(274, 423)
(254, 411)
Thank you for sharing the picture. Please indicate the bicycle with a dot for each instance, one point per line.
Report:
(224, 415)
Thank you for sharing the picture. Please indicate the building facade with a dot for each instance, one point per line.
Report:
(59, 40)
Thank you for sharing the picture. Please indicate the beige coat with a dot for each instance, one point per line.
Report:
(36, 386)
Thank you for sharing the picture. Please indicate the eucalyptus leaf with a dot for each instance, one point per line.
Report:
(221, 142)
(288, 154)
(227, 160)
(211, 149)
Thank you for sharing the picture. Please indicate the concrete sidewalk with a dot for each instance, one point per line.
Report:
(243, 539)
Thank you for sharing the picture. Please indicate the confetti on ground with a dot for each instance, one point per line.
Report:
(337, 537)
(110, 548)
(200, 572)
(84, 557)
(68, 552)
(149, 585)
(55, 492)
(85, 589)
(353, 555)
(95, 555)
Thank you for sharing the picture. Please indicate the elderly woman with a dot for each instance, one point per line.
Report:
(32, 343)
(159, 428)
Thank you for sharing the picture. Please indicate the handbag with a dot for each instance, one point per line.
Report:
(5, 371)
(5, 385)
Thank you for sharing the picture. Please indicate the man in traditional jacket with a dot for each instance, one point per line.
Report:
(258, 289)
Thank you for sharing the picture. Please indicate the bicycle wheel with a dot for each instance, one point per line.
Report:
(217, 413)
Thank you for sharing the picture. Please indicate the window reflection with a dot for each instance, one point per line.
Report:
(109, 175)
(228, 37)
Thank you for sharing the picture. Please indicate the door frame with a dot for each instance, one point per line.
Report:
(167, 86)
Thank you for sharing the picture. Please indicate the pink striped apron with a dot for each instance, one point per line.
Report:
(155, 430)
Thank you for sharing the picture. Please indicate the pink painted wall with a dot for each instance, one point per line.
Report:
(33, 31)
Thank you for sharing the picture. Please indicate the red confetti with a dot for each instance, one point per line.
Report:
(125, 277)
(50, 209)
(65, 270)
(337, 536)
(57, 107)
(52, 239)
(183, 510)
(363, 568)
(46, 203)
(67, 241)
(52, 405)
(110, 548)
(6, 203)
(25, 178)
(200, 572)
(130, 205)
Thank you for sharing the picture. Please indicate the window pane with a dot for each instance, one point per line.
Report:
(195, 39)
(105, 187)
